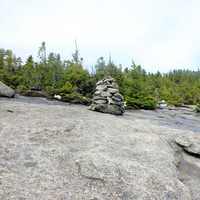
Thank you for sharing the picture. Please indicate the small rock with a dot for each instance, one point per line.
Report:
(162, 104)
(100, 101)
(112, 90)
(57, 97)
(101, 88)
(106, 94)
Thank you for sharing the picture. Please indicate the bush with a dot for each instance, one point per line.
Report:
(76, 98)
(51, 91)
(66, 89)
(22, 89)
(148, 103)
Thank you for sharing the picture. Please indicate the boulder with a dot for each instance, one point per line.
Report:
(6, 91)
(58, 97)
(107, 98)
(106, 108)
(191, 144)
(162, 104)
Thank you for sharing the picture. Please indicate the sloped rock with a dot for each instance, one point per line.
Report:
(6, 91)
(66, 152)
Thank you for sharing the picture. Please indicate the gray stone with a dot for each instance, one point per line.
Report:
(162, 104)
(106, 94)
(119, 96)
(99, 98)
(112, 90)
(114, 102)
(6, 91)
(100, 101)
(106, 108)
(99, 82)
(190, 144)
(101, 88)
(107, 99)
(97, 92)
(117, 99)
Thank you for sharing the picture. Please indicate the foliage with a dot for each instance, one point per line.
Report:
(76, 98)
(66, 89)
(68, 78)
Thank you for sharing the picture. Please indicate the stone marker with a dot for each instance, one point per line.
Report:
(107, 98)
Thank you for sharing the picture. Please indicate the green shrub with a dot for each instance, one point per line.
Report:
(51, 91)
(148, 103)
(22, 88)
(66, 89)
(76, 98)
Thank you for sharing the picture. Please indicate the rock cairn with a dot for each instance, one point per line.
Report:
(107, 98)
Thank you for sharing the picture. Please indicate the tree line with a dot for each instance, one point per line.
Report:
(69, 79)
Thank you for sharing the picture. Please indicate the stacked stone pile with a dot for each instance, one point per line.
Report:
(107, 98)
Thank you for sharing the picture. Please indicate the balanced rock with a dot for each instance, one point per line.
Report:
(107, 98)
(6, 91)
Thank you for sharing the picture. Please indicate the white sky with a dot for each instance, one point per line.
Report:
(158, 34)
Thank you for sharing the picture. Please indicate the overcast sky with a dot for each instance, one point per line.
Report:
(158, 34)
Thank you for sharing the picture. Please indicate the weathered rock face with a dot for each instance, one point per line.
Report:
(66, 152)
(6, 91)
(107, 98)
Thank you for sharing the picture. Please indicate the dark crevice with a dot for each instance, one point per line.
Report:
(189, 152)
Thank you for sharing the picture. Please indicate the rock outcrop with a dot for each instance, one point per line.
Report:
(191, 144)
(6, 91)
(107, 98)
(66, 152)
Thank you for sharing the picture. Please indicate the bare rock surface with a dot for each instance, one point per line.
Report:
(6, 91)
(51, 150)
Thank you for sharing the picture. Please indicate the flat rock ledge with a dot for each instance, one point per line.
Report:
(65, 152)
(107, 98)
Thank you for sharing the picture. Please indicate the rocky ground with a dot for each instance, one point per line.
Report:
(55, 151)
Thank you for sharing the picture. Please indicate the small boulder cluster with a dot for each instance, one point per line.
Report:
(107, 98)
